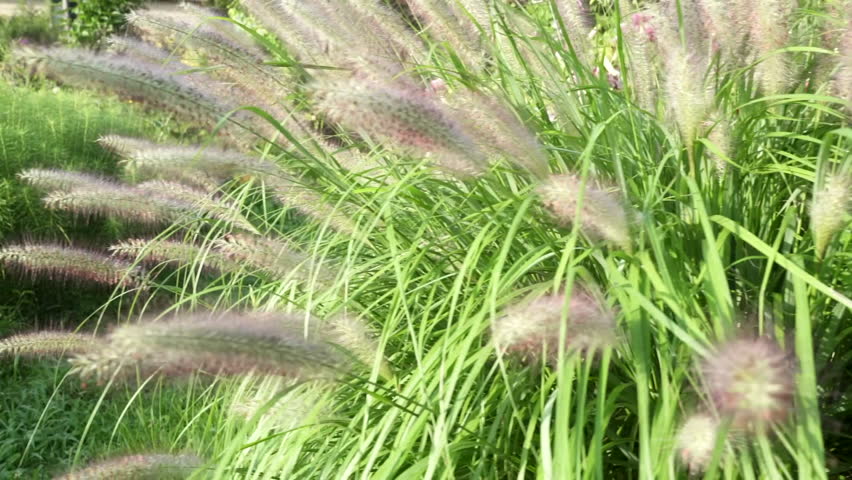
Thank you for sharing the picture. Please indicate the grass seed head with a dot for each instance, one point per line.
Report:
(138, 467)
(274, 256)
(56, 262)
(47, 343)
(532, 328)
(831, 208)
(751, 380)
(602, 216)
(412, 120)
(51, 179)
(114, 200)
(696, 441)
(221, 344)
(175, 252)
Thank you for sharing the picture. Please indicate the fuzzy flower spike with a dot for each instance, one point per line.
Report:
(601, 214)
(142, 467)
(696, 441)
(222, 344)
(403, 116)
(57, 262)
(831, 209)
(751, 380)
(531, 329)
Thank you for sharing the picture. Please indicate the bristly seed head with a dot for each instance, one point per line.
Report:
(47, 343)
(602, 215)
(410, 119)
(142, 467)
(66, 263)
(696, 441)
(831, 208)
(751, 380)
(51, 179)
(531, 329)
(223, 344)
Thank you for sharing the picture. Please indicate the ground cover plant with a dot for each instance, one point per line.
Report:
(475, 239)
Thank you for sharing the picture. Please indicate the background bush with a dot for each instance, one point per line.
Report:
(95, 19)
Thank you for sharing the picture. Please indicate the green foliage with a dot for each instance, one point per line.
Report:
(48, 420)
(97, 19)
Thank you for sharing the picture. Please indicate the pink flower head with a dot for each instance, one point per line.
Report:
(752, 380)
(533, 328)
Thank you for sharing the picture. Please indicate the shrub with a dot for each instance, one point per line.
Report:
(92, 20)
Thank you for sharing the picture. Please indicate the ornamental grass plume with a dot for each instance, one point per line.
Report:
(444, 24)
(52, 179)
(274, 256)
(331, 32)
(157, 160)
(198, 32)
(642, 39)
(726, 28)
(56, 262)
(831, 209)
(197, 202)
(153, 83)
(390, 25)
(579, 22)
(842, 82)
(131, 47)
(695, 442)
(173, 252)
(111, 199)
(272, 16)
(497, 131)
(259, 399)
(154, 466)
(221, 344)
(206, 167)
(770, 21)
(232, 56)
(532, 328)
(359, 340)
(404, 117)
(750, 380)
(294, 194)
(689, 100)
(47, 343)
(720, 136)
(600, 212)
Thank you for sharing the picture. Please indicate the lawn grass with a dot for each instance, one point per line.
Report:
(44, 415)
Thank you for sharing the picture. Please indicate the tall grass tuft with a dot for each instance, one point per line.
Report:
(350, 98)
